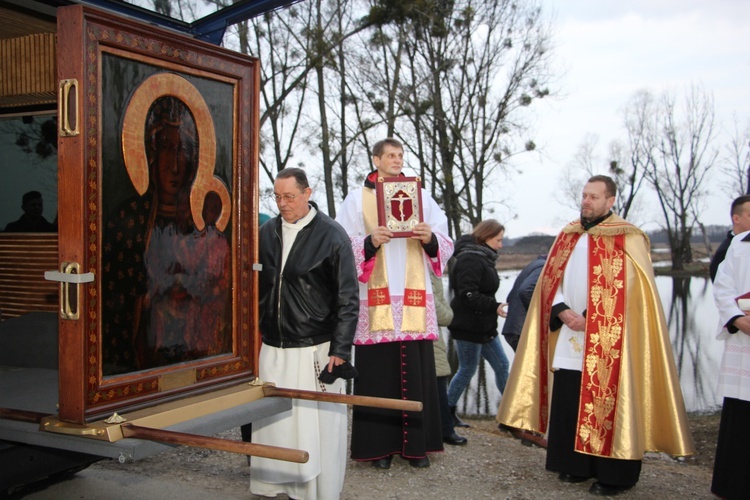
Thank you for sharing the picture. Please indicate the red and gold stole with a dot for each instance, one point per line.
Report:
(605, 321)
(605, 317)
(378, 293)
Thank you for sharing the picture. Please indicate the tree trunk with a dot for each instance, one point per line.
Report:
(706, 239)
(678, 252)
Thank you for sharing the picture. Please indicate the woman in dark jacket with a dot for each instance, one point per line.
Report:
(474, 282)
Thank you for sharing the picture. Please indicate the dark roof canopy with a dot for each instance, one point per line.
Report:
(210, 27)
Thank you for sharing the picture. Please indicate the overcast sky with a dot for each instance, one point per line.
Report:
(607, 51)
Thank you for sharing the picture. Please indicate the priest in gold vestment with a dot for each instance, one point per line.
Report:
(597, 329)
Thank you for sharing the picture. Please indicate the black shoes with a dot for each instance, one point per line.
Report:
(419, 463)
(607, 490)
(571, 478)
(382, 463)
(455, 440)
(597, 488)
(385, 463)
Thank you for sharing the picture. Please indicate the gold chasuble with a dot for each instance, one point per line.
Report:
(631, 401)
(378, 294)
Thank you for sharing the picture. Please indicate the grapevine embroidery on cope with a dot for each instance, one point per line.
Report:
(604, 327)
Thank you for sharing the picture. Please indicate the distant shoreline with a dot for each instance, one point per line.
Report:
(698, 268)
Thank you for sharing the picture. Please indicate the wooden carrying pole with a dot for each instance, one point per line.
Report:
(181, 438)
(328, 397)
(22, 415)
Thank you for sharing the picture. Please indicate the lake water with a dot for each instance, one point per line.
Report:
(692, 319)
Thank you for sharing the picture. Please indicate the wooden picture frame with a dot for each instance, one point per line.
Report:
(399, 201)
(159, 136)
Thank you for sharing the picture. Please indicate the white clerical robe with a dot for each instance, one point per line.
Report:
(350, 216)
(574, 292)
(733, 280)
(316, 427)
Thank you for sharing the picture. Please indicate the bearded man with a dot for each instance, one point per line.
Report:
(596, 326)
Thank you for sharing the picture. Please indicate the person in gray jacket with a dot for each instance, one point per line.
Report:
(442, 367)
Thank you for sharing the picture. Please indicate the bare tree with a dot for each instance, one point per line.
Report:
(682, 154)
(342, 97)
(629, 163)
(281, 41)
(304, 54)
(736, 161)
(377, 86)
(306, 94)
(453, 80)
(469, 71)
(389, 81)
(585, 163)
(327, 22)
(619, 163)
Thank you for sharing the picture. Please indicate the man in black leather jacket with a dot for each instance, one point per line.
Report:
(308, 306)
(316, 297)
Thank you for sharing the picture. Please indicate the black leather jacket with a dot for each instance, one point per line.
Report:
(316, 298)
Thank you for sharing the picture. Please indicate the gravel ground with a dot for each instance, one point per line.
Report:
(492, 465)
